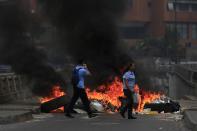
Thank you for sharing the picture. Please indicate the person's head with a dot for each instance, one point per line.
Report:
(82, 62)
(130, 67)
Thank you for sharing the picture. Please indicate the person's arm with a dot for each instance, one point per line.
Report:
(86, 70)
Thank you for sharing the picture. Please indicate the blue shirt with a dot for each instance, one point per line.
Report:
(130, 78)
(82, 73)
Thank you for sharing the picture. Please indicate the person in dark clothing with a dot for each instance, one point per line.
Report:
(79, 73)
(128, 89)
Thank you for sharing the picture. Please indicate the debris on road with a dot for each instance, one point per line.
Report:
(97, 106)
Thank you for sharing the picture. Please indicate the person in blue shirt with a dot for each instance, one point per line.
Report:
(128, 89)
(78, 82)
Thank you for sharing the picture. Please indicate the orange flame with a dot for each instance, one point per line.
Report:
(147, 97)
(110, 94)
(56, 92)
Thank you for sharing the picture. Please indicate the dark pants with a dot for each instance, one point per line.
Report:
(129, 102)
(77, 92)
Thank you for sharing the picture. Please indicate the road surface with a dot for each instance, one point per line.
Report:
(104, 122)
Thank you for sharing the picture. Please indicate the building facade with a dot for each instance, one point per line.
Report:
(152, 18)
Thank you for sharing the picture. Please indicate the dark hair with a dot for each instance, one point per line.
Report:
(128, 67)
(81, 61)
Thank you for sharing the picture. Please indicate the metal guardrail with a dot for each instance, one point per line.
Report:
(186, 74)
(6, 74)
(10, 86)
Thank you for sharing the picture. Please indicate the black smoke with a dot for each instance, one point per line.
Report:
(89, 29)
(17, 49)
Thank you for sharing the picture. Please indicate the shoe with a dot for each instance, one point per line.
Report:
(69, 115)
(122, 114)
(92, 115)
(132, 117)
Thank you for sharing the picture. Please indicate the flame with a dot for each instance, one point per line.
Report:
(56, 92)
(110, 93)
(147, 97)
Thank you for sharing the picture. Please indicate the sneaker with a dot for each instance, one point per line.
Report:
(132, 117)
(92, 115)
(69, 115)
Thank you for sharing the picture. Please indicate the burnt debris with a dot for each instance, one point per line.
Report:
(54, 104)
(169, 107)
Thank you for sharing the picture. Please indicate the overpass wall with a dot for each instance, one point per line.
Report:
(182, 81)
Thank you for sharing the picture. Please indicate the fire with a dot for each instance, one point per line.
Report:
(56, 92)
(147, 97)
(110, 93)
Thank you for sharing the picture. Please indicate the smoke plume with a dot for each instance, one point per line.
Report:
(88, 29)
(17, 49)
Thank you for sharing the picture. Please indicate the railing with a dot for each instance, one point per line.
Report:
(188, 74)
(10, 87)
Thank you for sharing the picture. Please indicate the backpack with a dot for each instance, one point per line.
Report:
(75, 76)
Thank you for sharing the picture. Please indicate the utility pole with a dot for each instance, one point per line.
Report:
(176, 33)
(175, 17)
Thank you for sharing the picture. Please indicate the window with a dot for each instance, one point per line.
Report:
(182, 30)
(194, 31)
(182, 7)
(170, 27)
(133, 31)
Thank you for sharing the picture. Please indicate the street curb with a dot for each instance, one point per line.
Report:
(33, 110)
(189, 121)
(16, 118)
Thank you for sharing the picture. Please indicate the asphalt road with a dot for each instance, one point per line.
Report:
(104, 122)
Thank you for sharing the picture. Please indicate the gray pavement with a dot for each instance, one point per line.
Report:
(104, 122)
(7, 117)
(12, 113)
(189, 109)
(191, 119)
(25, 113)
(18, 107)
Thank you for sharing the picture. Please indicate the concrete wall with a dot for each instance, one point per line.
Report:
(179, 88)
(191, 53)
(181, 82)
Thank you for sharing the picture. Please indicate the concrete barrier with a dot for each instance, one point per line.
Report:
(182, 82)
(190, 119)
(8, 117)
